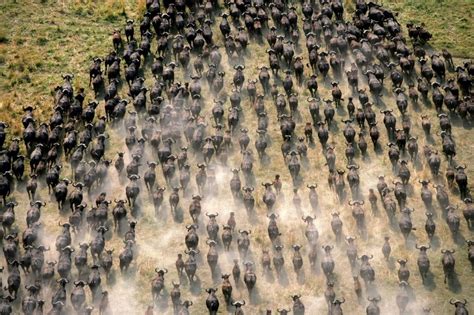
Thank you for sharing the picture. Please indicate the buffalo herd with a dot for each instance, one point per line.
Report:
(187, 111)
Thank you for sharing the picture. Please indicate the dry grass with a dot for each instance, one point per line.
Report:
(44, 40)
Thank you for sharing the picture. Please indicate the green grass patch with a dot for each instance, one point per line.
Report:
(448, 21)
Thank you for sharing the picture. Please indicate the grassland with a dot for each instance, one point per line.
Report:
(41, 40)
(450, 22)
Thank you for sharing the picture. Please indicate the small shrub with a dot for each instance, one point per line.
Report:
(3, 38)
(25, 78)
(79, 11)
(41, 41)
(110, 17)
